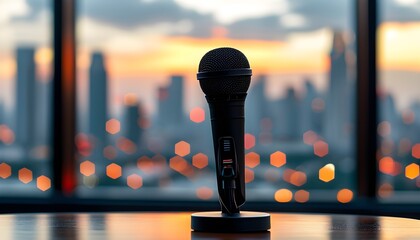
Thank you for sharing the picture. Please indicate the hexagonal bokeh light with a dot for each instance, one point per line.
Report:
(113, 171)
(301, 196)
(113, 126)
(249, 141)
(197, 115)
(412, 171)
(200, 160)
(278, 159)
(320, 148)
(5, 170)
(252, 159)
(43, 183)
(249, 175)
(327, 173)
(415, 151)
(182, 148)
(204, 193)
(25, 175)
(87, 168)
(134, 181)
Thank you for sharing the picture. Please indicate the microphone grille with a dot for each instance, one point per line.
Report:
(221, 59)
(224, 58)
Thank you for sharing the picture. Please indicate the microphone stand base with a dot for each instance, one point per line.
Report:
(239, 222)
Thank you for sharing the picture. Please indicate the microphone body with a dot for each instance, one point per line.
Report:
(227, 121)
(225, 75)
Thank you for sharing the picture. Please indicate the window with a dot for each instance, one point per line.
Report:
(144, 126)
(399, 101)
(25, 97)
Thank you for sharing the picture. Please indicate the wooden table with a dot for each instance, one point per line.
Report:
(177, 226)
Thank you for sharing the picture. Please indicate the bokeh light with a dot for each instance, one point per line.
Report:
(310, 137)
(345, 195)
(197, 115)
(249, 141)
(110, 152)
(249, 175)
(301, 196)
(412, 171)
(113, 126)
(384, 129)
(200, 160)
(298, 178)
(43, 183)
(278, 159)
(385, 190)
(182, 148)
(327, 172)
(320, 148)
(204, 193)
(87, 168)
(126, 145)
(5, 170)
(252, 159)
(134, 181)
(387, 165)
(25, 175)
(113, 171)
(145, 164)
(178, 163)
(7, 136)
(283, 195)
(415, 151)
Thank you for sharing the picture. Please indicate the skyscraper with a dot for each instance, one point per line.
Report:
(25, 97)
(339, 98)
(310, 118)
(132, 119)
(98, 99)
(256, 106)
(170, 105)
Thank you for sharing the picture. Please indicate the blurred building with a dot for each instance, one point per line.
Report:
(339, 102)
(98, 98)
(310, 117)
(256, 106)
(132, 120)
(25, 128)
(170, 103)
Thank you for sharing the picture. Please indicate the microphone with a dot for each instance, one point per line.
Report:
(225, 75)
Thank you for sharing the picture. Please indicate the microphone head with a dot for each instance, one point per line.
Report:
(224, 71)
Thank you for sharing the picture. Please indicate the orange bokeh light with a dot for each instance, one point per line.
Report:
(5, 170)
(178, 164)
(113, 171)
(200, 160)
(310, 137)
(7, 136)
(249, 141)
(301, 196)
(252, 159)
(298, 178)
(327, 172)
(387, 165)
(43, 183)
(384, 129)
(182, 148)
(385, 190)
(25, 175)
(145, 164)
(110, 152)
(415, 151)
(197, 115)
(204, 193)
(134, 181)
(113, 126)
(249, 175)
(344, 195)
(126, 145)
(283, 195)
(87, 168)
(320, 148)
(412, 171)
(278, 159)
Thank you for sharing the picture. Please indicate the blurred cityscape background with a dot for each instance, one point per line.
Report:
(143, 123)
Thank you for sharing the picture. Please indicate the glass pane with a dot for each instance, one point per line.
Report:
(25, 97)
(144, 128)
(399, 101)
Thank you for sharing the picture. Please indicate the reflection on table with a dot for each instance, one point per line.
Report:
(177, 226)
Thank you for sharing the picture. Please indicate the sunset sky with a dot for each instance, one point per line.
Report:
(146, 41)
